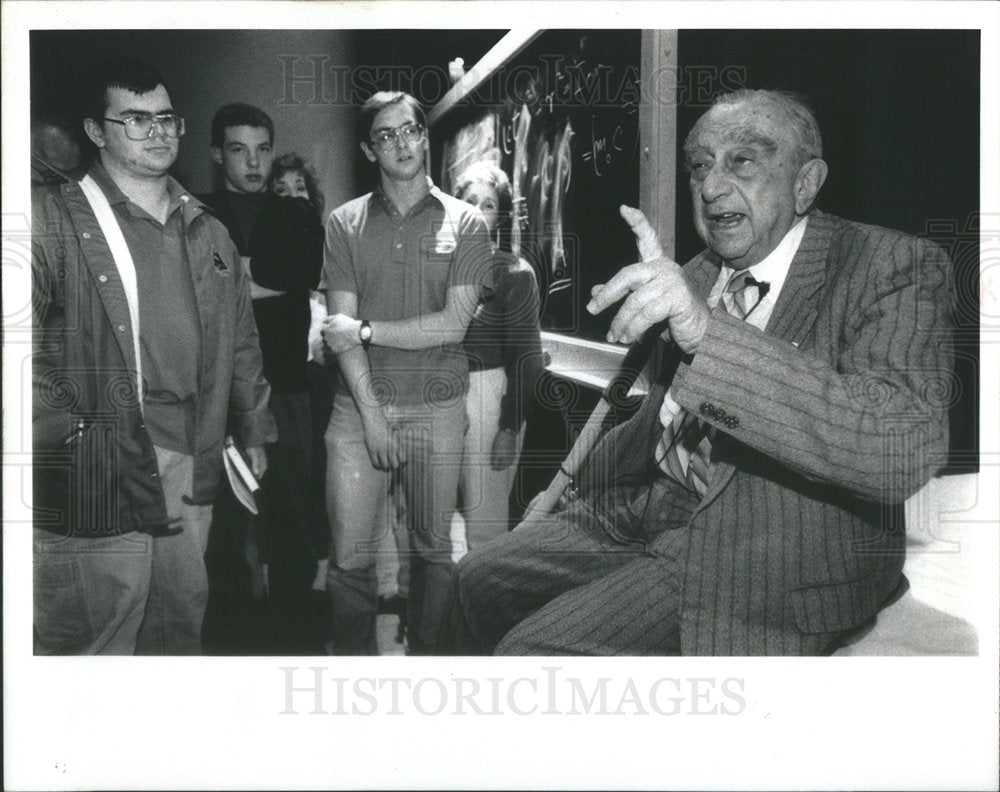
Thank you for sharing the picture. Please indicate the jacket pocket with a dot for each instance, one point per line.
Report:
(834, 607)
(75, 485)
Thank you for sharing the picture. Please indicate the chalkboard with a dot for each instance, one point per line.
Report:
(562, 120)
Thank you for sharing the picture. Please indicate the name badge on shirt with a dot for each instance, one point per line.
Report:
(444, 246)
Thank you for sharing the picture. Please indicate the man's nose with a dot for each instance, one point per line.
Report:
(253, 158)
(714, 185)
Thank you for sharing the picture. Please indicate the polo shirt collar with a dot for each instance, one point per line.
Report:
(432, 196)
(178, 195)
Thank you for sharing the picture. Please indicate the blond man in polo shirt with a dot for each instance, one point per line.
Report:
(402, 272)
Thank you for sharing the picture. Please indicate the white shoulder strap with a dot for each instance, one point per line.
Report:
(123, 261)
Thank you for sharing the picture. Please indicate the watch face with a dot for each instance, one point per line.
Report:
(366, 332)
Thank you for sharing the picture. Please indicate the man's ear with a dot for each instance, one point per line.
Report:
(94, 132)
(216, 153)
(368, 151)
(807, 185)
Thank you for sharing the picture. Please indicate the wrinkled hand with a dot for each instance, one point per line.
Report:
(654, 289)
(321, 352)
(258, 461)
(340, 333)
(504, 449)
(384, 445)
(317, 316)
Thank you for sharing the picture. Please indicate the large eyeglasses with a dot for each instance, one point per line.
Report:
(141, 126)
(386, 140)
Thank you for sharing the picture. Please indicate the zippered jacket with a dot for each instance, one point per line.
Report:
(94, 466)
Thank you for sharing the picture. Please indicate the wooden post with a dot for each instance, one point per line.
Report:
(658, 134)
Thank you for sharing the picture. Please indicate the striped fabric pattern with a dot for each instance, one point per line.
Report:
(581, 583)
(800, 534)
(743, 293)
(685, 431)
(841, 416)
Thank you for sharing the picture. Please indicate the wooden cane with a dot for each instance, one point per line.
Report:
(614, 394)
(618, 387)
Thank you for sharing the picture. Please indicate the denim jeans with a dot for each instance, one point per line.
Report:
(135, 593)
(356, 494)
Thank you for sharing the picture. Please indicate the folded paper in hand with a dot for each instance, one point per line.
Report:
(241, 478)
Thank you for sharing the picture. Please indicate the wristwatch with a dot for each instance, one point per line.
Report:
(365, 333)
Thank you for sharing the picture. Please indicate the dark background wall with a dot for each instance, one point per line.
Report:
(311, 82)
(207, 68)
(898, 109)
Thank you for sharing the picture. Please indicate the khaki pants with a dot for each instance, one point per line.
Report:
(356, 494)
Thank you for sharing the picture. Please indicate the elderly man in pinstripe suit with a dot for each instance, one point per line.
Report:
(753, 505)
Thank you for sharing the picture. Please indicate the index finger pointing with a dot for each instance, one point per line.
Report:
(645, 236)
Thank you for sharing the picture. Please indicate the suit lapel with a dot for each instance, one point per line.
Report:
(702, 272)
(793, 316)
(798, 304)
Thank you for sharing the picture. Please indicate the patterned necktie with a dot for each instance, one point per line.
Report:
(685, 449)
(744, 294)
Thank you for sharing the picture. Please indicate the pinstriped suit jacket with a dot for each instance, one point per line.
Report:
(840, 407)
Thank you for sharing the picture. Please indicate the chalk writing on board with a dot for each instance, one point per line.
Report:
(566, 132)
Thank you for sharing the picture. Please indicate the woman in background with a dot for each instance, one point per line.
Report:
(505, 361)
(290, 176)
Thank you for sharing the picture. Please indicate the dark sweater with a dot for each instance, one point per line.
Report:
(505, 332)
(285, 246)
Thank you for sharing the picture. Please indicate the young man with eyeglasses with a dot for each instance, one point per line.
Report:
(402, 272)
(280, 241)
(145, 344)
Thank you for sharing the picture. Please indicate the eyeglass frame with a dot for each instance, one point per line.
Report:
(155, 119)
(396, 132)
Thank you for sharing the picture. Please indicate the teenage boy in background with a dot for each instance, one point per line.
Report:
(280, 243)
